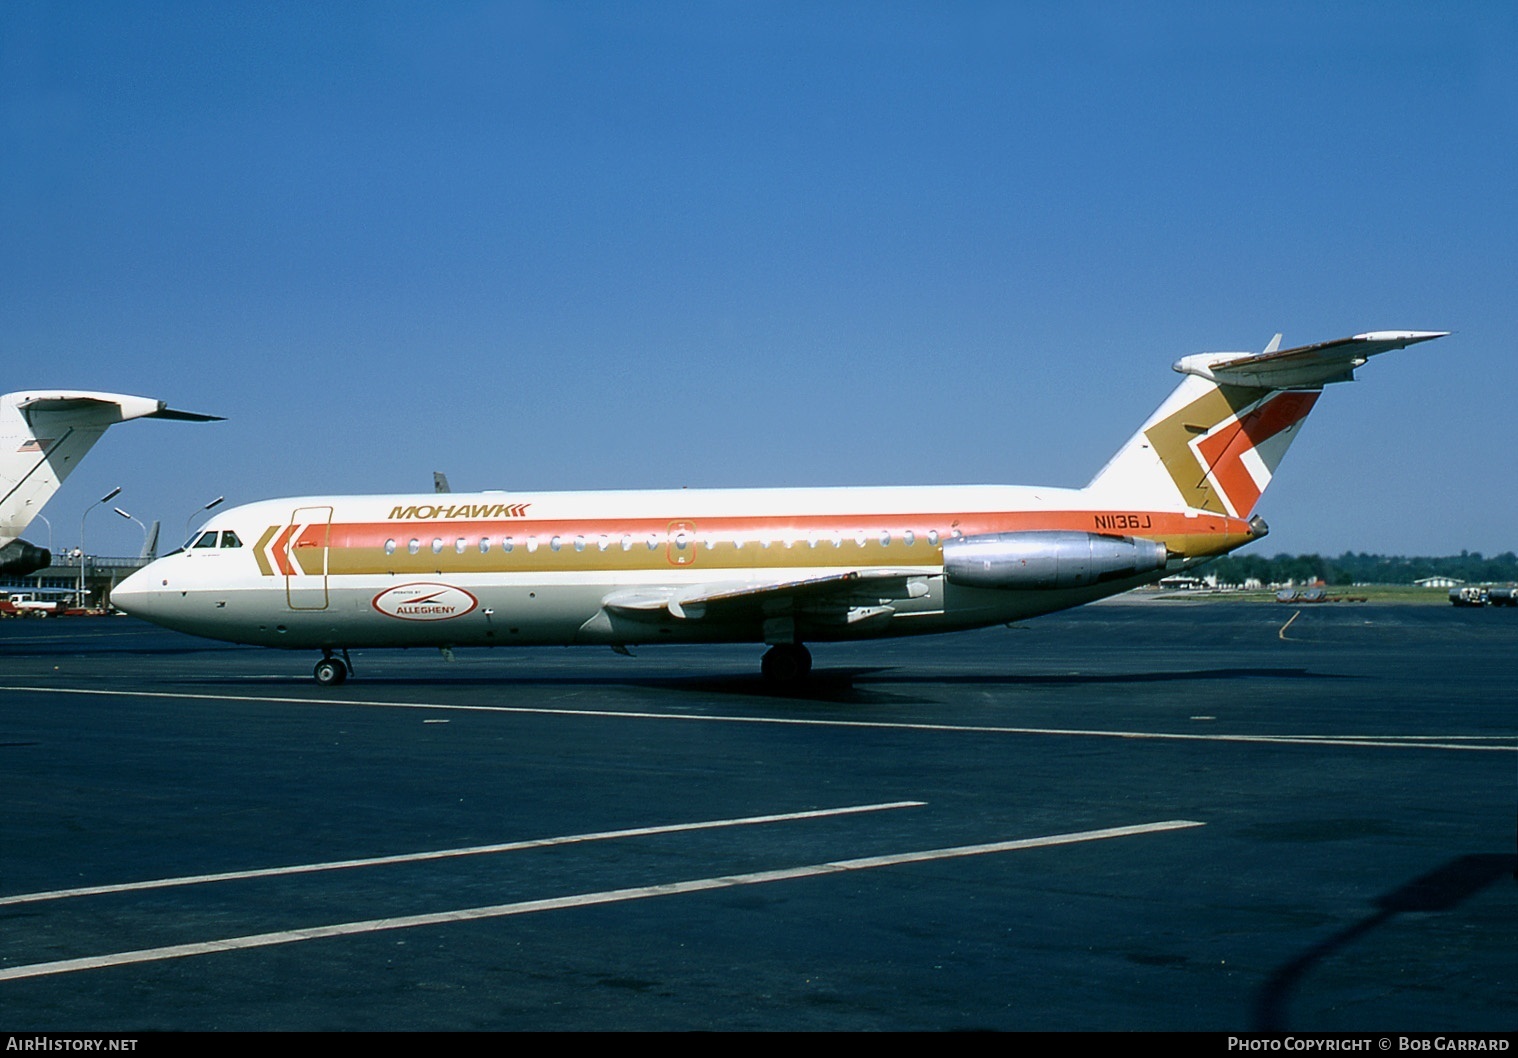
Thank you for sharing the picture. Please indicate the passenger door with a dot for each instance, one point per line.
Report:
(306, 546)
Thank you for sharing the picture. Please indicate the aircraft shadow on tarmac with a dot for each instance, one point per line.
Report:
(1440, 890)
(843, 685)
(881, 685)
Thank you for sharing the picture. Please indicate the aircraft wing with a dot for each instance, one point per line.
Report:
(1304, 367)
(833, 598)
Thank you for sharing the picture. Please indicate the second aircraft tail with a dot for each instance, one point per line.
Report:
(44, 434)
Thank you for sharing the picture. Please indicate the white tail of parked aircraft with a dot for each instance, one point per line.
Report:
(43, 436)
(778, 566)
(150, 541)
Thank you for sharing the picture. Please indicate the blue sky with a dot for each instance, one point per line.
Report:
(574, 246)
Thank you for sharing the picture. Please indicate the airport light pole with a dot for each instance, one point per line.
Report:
(193, 513)
(144, 528)
(82, 554)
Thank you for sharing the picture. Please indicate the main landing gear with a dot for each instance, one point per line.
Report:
(333, 672)
(786, 664)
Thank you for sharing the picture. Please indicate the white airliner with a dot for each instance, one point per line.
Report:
(43, 436)
(777, 566)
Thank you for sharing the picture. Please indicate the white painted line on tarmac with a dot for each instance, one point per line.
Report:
(70, 637)
(609, 896)
(443, 854)
(1474, 743)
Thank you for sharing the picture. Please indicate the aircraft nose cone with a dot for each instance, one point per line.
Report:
(136, 594)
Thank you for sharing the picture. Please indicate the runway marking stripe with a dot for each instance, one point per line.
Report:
(74, 637)
(610, 896)
(442, 854)
(1374, 741)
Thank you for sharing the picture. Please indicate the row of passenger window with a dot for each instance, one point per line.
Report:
(681, 541)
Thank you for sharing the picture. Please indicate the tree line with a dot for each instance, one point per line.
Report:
(1361, 568)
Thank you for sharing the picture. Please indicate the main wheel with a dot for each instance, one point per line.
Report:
(786, 664)
(330, 672)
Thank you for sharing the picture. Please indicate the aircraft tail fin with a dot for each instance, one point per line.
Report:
(1215, 443)
(150, 541)
(45, 433)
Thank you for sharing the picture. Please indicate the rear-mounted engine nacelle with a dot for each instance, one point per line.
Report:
(1047, 559)
(18, 558)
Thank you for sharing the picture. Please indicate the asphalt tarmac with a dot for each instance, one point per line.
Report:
(1157, 816)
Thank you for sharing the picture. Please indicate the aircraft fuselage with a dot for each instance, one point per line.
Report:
(616, 567)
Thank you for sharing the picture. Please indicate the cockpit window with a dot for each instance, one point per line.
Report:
(229, 539)
(206, 540)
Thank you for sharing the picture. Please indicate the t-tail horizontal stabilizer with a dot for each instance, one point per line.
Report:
(80, 408)
(1307, 366)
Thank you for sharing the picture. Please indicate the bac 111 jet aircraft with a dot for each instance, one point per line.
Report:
(782, 567)
(43, 436)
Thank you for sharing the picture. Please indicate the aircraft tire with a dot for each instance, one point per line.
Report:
(786, 664)
(330, 672)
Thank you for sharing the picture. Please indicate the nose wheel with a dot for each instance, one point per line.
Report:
(332, 672)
